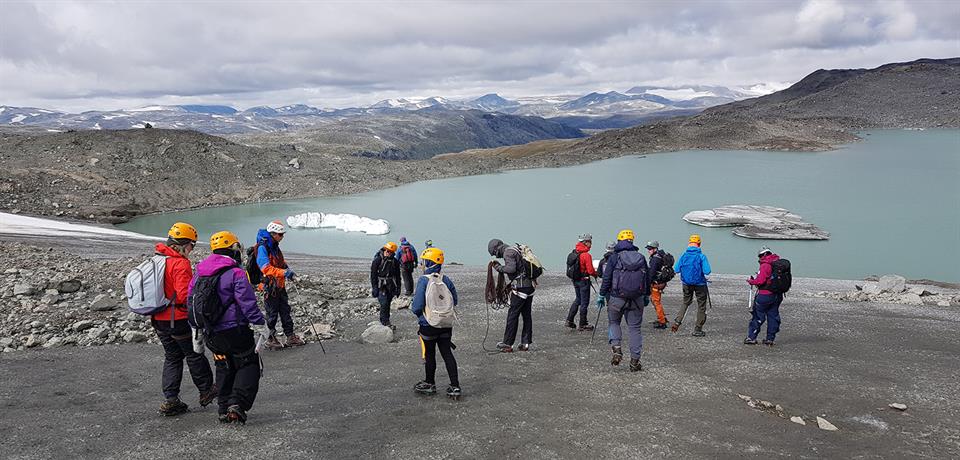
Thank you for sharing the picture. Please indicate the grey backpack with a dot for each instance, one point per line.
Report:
(439, 310)
(144, 286)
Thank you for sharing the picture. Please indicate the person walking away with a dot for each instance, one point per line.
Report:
(693, 268)
(407, 256)
(606, 256)
(580, 271)
(433, 304)
(385, 279)
(232, 337)
(275, 275)
(172, 327)
(625, 281)
(522, 288)
(766, 304)
(661, 271)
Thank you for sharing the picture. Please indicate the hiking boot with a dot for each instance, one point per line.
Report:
(699, 333)
(425, 388)
(504, 348)
(675, 327)
(454, 392)
(635, 365)
(585, 327)
(570, 325)
(236, 415)
(223, 418)
(749, 341)
(768, 343)
(660, 325)
(294, 341)
(273, 343)
(207, 397)
(524, 347)
(617, 356)
(172, 407)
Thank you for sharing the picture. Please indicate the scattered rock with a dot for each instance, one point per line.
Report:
(83, 325)
(767, 405)
(69, 286)
(103, 302)
(54, 342)
(912, 299)
(798, 420)
(897, 406)
(745, 398)
(295, 163)
(825, 425)
(33, 341)
(377, 333)
(24, 289)
(893, 284)
(134, 337)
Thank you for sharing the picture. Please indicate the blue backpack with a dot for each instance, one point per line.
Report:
(630, 276)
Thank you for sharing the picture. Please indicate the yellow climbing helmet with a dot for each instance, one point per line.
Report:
(183, 230)
(625, 235)
(390, 246)
(695, 239)
(434, 255)
(224, 239)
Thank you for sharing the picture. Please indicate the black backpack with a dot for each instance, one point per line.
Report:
(573, 266)
(666, 272)
(253, 270)
(780, 277)
(204, 305)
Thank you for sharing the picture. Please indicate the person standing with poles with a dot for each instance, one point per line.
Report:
(275, 275)
(407, 256)
(772, 281)
(626, 281)
(693, 268)
(580, 271)
(385, 279)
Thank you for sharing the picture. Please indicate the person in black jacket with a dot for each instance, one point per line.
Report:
(385, 279)
(656, 286)
(521, 295)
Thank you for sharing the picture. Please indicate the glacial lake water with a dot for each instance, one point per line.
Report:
(891, 204)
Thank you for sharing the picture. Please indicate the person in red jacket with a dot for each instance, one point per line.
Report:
(766, 305)
(172, 327)
(582, 285)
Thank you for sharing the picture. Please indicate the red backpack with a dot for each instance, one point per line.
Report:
(406, 255)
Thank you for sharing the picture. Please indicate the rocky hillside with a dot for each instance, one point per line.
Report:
(402, 135)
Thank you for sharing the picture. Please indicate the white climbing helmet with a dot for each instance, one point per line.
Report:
(276, 227)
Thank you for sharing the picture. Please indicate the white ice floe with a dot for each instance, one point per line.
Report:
(13, 224)
(345, 222)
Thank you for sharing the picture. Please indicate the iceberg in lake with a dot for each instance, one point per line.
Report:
(345, 222)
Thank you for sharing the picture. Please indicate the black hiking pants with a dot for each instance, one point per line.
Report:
(178, 347)
(581, 302)
(385, 298)
(520, 308)
(432, 338)
(406, 273)
(278, 305)
(238, 367)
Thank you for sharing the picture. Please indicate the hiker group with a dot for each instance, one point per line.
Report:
(217, 306)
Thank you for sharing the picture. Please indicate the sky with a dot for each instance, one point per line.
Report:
(106, 55)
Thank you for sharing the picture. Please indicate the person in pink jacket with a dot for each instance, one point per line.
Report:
(766, 305)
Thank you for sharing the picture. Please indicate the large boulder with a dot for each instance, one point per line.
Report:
(377, 333)
(893, 284)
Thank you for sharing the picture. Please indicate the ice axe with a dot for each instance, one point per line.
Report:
(307, 315)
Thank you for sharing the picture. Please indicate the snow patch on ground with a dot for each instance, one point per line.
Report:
(344, 222)
(681, 94)
(13, 224)
(18, 118)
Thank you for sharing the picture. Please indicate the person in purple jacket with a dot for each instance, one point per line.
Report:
(235, 351)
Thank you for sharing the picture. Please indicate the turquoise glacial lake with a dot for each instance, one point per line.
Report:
(891, 204)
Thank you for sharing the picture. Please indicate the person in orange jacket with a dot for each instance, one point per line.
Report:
(172, 327)
(275, 273)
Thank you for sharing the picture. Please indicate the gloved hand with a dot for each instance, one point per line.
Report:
(197, 341)
(289, 274)
(260, 334)
(375, 292)
(601, 302)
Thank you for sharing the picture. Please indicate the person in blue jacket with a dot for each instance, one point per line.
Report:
(407, 256)
(440, 333)
(693, 268)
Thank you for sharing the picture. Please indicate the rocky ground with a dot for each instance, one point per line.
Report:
(825, 390)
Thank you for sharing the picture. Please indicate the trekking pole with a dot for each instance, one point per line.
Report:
(596, 322)
(306, 314)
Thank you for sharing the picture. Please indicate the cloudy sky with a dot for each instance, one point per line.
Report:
(108, 55)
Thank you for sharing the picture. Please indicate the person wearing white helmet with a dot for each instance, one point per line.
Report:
(275, 274)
